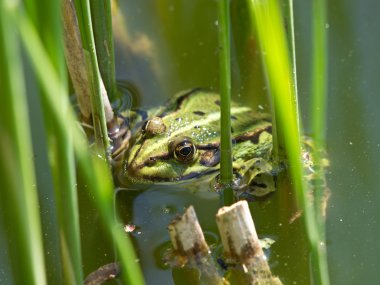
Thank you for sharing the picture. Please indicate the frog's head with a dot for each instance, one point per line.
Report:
(181, 142)
(167, 150)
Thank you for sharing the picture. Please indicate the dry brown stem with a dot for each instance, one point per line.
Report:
(241, 244)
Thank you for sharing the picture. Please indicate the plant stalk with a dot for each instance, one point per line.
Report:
(225, 94)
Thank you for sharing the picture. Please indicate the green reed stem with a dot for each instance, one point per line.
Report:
(62, 164)
(275, 53)
(18, 196)
(225, 94)
(97, 106)
(291, 39)
(61, 154)
(102, 23)
(318, 123)
(95, 169)
(319, 72)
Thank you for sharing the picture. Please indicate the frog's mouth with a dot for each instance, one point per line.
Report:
(183, 178)
(164, 170)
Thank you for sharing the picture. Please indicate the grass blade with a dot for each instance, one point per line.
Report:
(318, 124)
(225, 94)
(276, 60)
(289, 17)
(102, 23)
(19, 202)
(95, 169)
(61, 154)
(319, 72)
(97, 106)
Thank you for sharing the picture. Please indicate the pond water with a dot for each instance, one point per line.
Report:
(173, 46)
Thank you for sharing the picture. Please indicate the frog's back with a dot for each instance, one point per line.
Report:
(202, 108)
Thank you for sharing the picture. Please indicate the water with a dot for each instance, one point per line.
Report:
(180, 52)
(152, 210)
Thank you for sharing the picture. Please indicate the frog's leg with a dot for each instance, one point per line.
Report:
(262, 178)
(257, 179)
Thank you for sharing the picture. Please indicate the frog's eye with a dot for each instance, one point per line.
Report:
(154, 126)
(183, 150)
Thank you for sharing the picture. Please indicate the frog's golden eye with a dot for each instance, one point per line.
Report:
(183, 150)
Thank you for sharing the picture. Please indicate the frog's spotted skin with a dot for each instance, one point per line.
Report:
(180, 143)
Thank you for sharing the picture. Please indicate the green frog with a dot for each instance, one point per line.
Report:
(180, 143)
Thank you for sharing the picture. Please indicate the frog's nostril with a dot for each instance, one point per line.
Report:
(151, 160)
